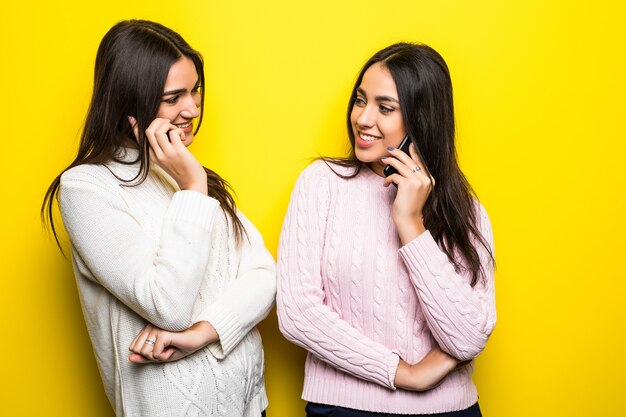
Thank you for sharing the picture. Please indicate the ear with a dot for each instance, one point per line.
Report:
(133, 125)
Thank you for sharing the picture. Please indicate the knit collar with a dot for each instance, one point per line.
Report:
(124, 154)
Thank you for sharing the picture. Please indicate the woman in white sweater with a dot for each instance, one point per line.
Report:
(165, 264)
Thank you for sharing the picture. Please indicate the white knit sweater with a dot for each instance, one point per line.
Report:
(153, 253)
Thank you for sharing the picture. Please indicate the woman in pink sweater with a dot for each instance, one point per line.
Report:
(387, 281)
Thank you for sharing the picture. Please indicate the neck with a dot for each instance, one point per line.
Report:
(378, 168)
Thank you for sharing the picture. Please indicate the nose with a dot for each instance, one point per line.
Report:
(366, 117)
(190, 106)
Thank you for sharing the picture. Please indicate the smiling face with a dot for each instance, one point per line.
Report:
(181, 97)
(376, 117)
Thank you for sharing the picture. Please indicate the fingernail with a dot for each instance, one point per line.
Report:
(390, 148)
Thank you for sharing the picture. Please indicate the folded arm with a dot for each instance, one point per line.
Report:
(460, 317)
(304, 319)
(248, 298)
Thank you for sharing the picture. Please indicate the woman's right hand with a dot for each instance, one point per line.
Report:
(157, 345)
(414, 187)
(427, 373)
(172, 155)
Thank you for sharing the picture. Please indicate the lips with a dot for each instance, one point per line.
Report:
(186, 127)
(365, 140)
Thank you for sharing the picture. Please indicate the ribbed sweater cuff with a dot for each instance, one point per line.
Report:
(227, 326)
(419, 251)
(193, 207)
(393, 362)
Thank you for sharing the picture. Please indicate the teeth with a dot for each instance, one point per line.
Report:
(368, 138)
(184, 125)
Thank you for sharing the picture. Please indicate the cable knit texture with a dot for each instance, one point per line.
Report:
(357, 301)
(153, 253)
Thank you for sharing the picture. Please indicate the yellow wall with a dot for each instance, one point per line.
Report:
(540, 92)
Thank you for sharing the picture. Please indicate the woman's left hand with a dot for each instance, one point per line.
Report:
(153, 344)
(414, 186)
(427, 373)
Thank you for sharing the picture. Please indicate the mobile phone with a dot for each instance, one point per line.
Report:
(404, 147)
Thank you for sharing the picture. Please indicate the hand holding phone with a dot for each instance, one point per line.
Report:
(404, 147)
(168, 151)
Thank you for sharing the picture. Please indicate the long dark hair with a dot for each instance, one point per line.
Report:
(424, 89)
(132, 64)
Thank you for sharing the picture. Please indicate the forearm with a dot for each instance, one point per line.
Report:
(409, 229)
(312, 325)
(459, 316)
(202, 333)
(157, 278)
(236, 311)
(248, 297)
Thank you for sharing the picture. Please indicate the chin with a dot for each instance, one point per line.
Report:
(188, 140)
(370, 155)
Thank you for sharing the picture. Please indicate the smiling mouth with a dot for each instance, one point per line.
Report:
(369, 138)
(183, 125)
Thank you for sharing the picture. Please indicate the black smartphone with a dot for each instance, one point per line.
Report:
(404, 147)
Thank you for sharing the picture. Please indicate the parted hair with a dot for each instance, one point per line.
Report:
(132, 64)
(424, 90)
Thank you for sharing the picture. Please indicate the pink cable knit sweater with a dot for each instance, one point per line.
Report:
(357, 301)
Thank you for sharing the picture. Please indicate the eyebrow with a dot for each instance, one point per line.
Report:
(172, 92)
(180, 90)
(378, 98)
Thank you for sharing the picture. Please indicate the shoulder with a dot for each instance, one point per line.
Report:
(123, 167)
(85, 189)
(86, 174)
(323, 171)
(315, 179)
(314, 185)
(95, 179)
(317, 169)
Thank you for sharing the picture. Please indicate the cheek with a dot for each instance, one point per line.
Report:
(166, 112)
(162, 111)
(354, 115)
(393, 126)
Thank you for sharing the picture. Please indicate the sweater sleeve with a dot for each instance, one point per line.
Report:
(460, 317)
(248, 298)
(304, 318)
(159, 281)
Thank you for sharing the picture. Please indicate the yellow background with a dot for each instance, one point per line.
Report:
(539, 90)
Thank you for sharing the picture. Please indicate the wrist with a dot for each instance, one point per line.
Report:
(409, 228)
(195, 179)
(403, 375)
(206, 332)
(200, 187)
